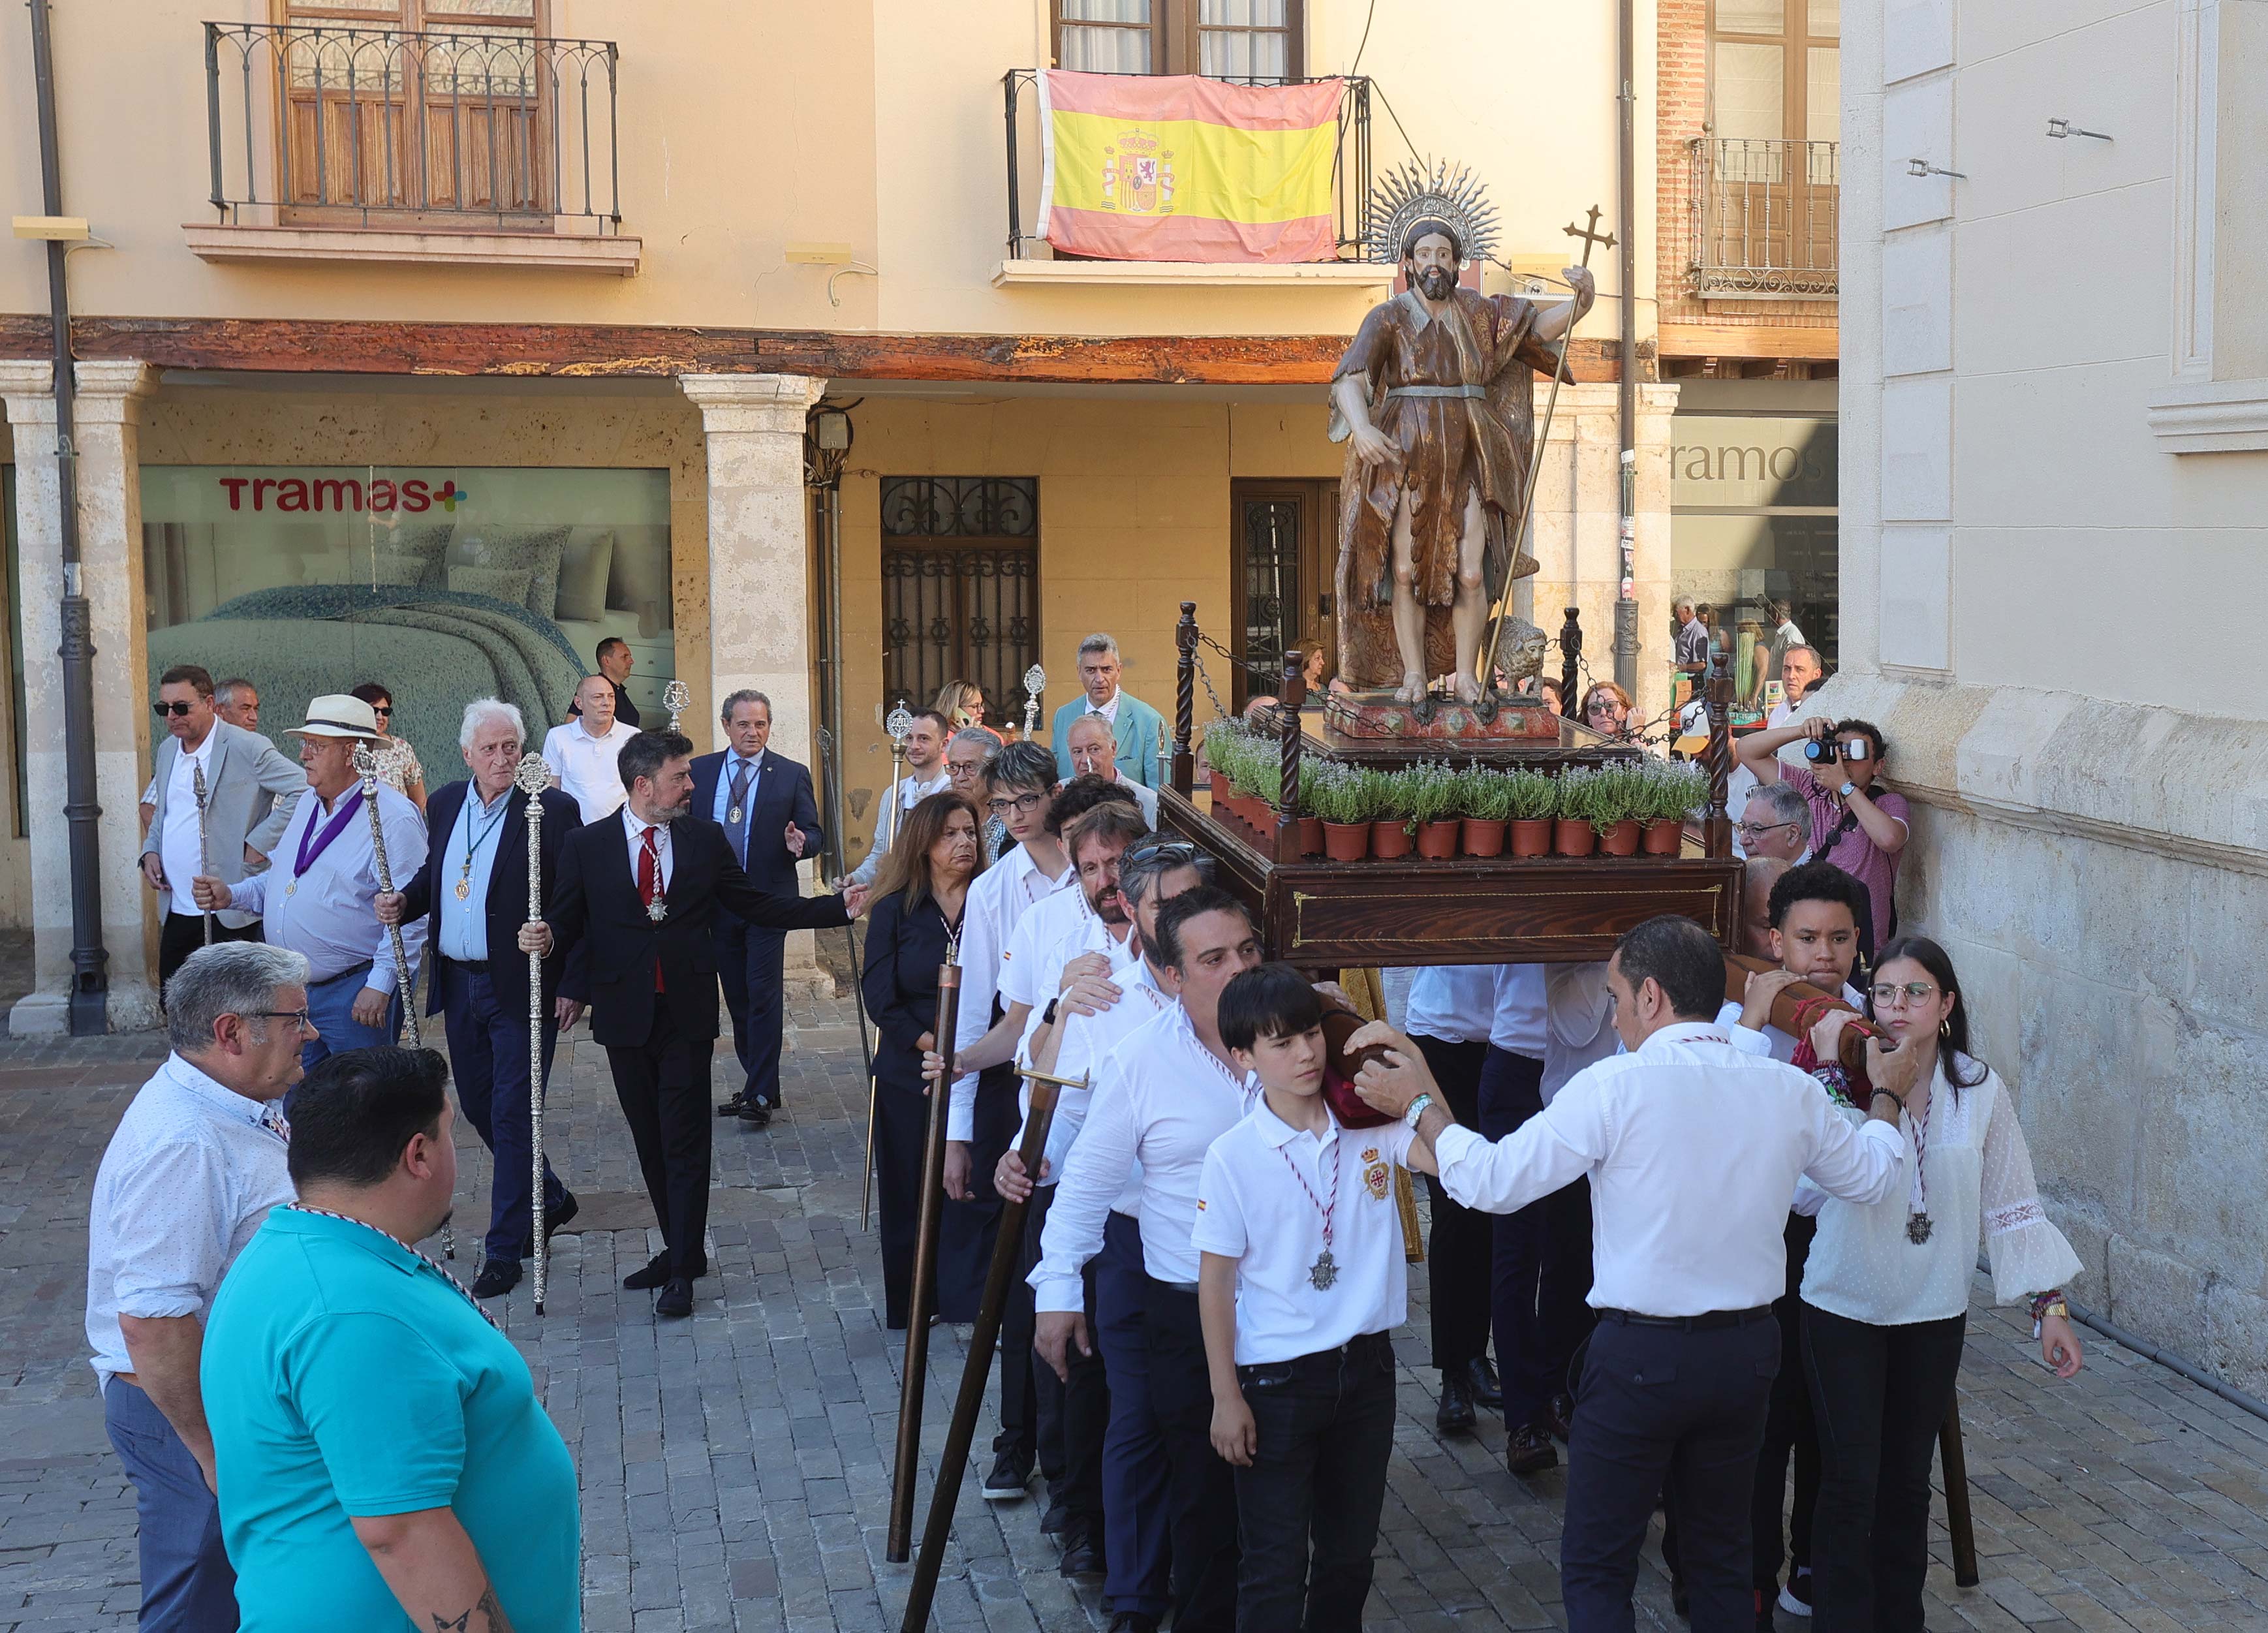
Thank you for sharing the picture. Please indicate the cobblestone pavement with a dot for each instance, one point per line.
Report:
(736, 1466)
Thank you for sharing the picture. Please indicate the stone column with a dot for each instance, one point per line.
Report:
(759, 569)
(107, 410)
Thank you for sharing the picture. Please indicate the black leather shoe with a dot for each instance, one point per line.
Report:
(1455, 1415)
(676, 1299)
(756, 1114)
(1083, 1556)
(1559, 1416)
(1133, 1621)
(1486, 1391)
(1052, 1522)
(557, 1219)
(1527, 1450)
(656, 1273)
(731, 1108)
(497, 1278)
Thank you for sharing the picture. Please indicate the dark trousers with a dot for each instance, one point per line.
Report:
(967, 1230)
(1323, 1428)
(488, 1057)
(1789, 1433)
(1073, 1413)
(183, 933)
(187, 1584)
(663, 1085)
(1674, 1409)
(901, 1120)
(1563, 1292)
(1510, 1092)
(749, 963)
(1134, 1473)
(1880, 1394)
(1201, 1495)
(1460, 1247)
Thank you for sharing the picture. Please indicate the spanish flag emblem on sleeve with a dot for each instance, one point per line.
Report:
(1178, 167)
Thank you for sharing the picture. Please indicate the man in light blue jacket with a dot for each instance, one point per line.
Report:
(1138, 729)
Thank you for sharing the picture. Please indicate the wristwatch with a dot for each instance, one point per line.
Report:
(1418, 1108)
(1847, 790)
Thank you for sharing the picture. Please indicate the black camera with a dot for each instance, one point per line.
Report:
(1827, 751)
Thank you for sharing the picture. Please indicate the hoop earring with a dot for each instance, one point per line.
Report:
(1945, 1027)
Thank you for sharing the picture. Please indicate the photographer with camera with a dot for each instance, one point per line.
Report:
(1856, 825)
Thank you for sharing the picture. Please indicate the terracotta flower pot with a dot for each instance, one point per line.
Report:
(1437, 840)
(1389, 838)
(1531, 836)
(1483, 837)
(1346, 841)
(1622, 839)
(1311, 836)
(1664, 836)
(1574, 836)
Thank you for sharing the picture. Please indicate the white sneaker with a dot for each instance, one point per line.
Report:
(1795, 1598)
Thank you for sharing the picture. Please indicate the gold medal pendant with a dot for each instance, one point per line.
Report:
(292, 888)
(464, 888)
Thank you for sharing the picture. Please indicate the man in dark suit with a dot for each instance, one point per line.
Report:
(648, 883)
(474, 886)
(765, 804)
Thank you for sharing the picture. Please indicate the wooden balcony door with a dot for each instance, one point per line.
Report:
(429, 111)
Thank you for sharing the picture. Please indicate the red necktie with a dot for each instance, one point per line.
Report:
(649, 884)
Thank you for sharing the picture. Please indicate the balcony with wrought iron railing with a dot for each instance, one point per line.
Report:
(335, 141)
(1764, 218)
(1029, 261)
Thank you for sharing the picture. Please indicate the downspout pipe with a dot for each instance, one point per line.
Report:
(90, 988)
(1627, 375)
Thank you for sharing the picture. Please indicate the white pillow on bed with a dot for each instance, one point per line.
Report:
(583, 569)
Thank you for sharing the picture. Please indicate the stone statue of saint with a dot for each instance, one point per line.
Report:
(1435, 402)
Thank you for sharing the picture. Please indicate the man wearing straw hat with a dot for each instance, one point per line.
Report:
(318, 899)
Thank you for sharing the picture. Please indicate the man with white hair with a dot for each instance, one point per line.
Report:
(470, 899)
(1776, 822)
(195, 1164)
(318, 898)
(1136, 728)
(1094, 751)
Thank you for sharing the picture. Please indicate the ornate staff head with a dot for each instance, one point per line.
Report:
(369, 764)
(675, 696)
(899, 725)
(533, 776)
(1035, 682)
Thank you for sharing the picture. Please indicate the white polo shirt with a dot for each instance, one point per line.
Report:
(1002, 897)
(1088, 1042)
(1453, 1003)
(178, 849)
(1261, 1201)
(584, 766)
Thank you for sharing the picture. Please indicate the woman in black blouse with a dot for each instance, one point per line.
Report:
(916, 911)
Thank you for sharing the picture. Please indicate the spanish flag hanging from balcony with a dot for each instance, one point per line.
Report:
(1177, 167)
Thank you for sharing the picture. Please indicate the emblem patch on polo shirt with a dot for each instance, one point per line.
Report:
(1374, 1173)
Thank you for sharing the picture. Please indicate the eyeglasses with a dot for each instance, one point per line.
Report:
(175, 709)
(1911, 992)
(1601, 706)
(298, 1017)
(1022, 804)
(1751, 831)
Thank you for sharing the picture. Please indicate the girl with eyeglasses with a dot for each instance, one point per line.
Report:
(397, 762)
(1885, 1296)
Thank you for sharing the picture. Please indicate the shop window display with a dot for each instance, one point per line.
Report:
(444, 583)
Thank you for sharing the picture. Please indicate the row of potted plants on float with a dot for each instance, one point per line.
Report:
(1437, 810)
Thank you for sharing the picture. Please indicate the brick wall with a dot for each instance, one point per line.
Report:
(1682, 103)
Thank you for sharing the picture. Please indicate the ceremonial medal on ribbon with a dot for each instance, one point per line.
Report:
(657, 909)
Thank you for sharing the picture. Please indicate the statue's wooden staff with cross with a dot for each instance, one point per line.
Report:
(1592, 239)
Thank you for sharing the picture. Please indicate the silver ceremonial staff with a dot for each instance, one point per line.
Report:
(205, 850)
(675, 696)
(532, 778)
(1035, 682)
(367, 766)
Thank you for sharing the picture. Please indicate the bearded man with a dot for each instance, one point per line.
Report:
(1435, 401)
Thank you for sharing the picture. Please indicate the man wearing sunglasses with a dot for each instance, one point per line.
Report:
(251, 790)
(1857, 825)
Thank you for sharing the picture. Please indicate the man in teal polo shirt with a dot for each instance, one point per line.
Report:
(384, 1462)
